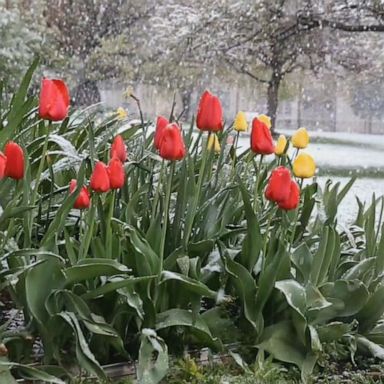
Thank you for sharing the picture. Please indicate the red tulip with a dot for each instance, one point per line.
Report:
(118, 149)
(161, 123)
(116, 173)
(54, 100)
(261, 138)
(83, 199)
(278, 188)
(3, 164)
(100, 180)
(293, 199)
(210, 114)
(14, 167)
(172, 143)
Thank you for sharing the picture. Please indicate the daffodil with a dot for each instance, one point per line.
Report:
(121, 113)
(213, 143)
(300, 139)
(304, 166)
(266, 120)
(240, 124)
(280, 145)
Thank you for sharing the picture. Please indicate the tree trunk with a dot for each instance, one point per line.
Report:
(186, 100)
(273, 98)
(87, 93)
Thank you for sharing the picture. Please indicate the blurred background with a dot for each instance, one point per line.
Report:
(312, 63)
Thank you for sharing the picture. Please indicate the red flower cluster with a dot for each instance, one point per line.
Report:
(282, 189)
(12, 161)
(169, 140)
(210, 113)
(104, 178)
(261, 138)
(54, 100)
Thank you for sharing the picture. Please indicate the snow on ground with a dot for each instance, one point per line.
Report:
(363, 188)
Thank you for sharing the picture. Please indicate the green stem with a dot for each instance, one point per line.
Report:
(157, 193)
(166, 215)
(86, 240)
(235, 146)
(295, 220)
(109, 226)
(191, 218)
(272, 213)
(258, 174)
(41, 166)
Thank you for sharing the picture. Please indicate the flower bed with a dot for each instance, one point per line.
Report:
(121, 245)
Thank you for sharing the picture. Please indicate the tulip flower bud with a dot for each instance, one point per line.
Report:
(83, 200)
(266, 120)
(261, 138)
(240, 124)
(99, 179)
(118, 149)
(172, 143)
(116, 173)
(210, 114)
(54, 100)
(213, 143)
(161, 123)
(293, 199)
(304, 166)
(121, 113)
(3, 164)
(300, 139)
(280, 145)
(14, 167)
(278, 185)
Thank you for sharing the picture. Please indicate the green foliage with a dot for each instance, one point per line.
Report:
(130, 279)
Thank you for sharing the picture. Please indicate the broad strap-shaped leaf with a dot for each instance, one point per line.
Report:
(253, 242)
(372, 311)
(244, 285)
(188, 283)
(85, 357)
(152, 370)
(90, 268)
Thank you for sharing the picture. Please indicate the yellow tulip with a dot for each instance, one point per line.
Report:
(304, 166)
(121, 113)
(213, 143)
(300, 139)
(266, 120)
(240, 124)
(280, 145)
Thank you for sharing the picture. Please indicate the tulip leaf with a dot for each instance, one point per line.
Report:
(151, 370)
(87, 269)
(114, 284)
(188, 283)
(244, 285)
(84, 356)
(253, 241)
(372, 311)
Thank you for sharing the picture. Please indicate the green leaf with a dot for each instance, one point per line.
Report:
(279, 340)
(244, 284)
(87, 269)
(58, 223)
(253, 241)
(372, 311)
(84, 356)
(114, 284)
(302, 258)
(294, 294)
(188, 283)
(27, 372)
(151, 370)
